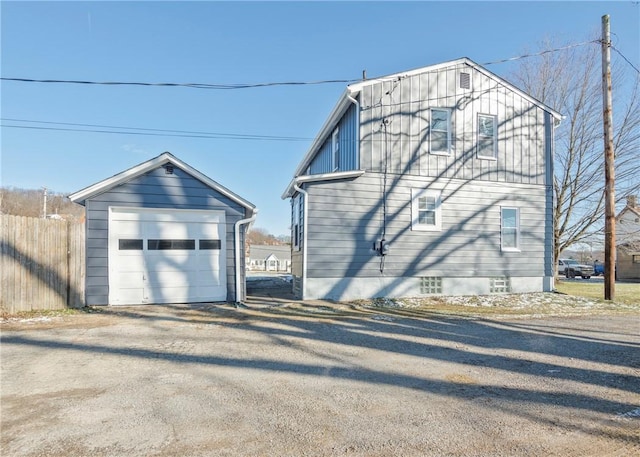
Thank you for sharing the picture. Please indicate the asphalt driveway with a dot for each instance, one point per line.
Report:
(318, 380)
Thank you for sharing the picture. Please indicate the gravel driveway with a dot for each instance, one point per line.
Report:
(280, 379)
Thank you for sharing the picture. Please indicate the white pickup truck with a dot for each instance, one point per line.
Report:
(571, 268)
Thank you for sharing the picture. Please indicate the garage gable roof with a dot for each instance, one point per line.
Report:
(88, 192)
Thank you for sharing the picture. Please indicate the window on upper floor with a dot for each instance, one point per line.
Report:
(487, 136)
(440, 131)
(510, 229)
(426, 210)
(335, 149)
(297, 222)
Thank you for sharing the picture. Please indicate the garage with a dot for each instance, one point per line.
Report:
(162, 232)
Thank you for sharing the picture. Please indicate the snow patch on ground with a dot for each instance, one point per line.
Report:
(29, 320)
(542, 302)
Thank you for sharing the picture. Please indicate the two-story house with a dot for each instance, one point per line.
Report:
(431, 181)
(628, 241)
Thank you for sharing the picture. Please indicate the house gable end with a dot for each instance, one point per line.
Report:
(164, 163)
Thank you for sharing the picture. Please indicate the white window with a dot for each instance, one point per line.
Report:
(487, 136)
(335, 149)
(426, 210)
(296, 222)
(440, 132)
(510, 229)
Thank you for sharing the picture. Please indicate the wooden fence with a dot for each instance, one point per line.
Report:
(42, 264)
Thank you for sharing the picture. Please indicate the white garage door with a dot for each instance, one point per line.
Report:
(166, 256)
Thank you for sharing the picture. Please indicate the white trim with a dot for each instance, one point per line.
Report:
(290, 190)
(159, 216)
(448, 131)
(127, 175)
(495, 136)
(238, 256)
(335, 149)
(296, 242)
(517, 227)
(415, 210)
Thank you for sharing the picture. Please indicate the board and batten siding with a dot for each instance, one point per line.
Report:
(524, 129)
(155, 189)
(348, 139)
(346, 219)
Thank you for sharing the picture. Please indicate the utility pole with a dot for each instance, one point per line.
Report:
(44, 207)
(609, 167)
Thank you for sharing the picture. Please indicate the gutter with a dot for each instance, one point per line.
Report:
(289, 191)
(249, 220)
(305, 212)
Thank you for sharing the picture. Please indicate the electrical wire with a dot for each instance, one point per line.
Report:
(189, 85)
(236, 86)
(219, 137)
(625, 58)
(537, 54)
(242, 136)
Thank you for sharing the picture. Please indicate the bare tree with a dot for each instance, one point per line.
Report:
(570, 82)
(258, 235)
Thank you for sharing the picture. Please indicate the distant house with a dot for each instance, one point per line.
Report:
(162, 232)
(432, 181)
(263, 257)
(628, 241)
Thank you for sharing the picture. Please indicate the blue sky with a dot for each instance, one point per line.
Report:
(229, 43)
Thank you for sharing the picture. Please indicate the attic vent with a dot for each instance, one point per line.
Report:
(465, 81)
(168, 169)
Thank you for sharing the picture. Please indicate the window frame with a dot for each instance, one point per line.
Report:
(296, 208)
(448, 131)
(416, 194)
(515, 248)
(335, 149)
(494, 119)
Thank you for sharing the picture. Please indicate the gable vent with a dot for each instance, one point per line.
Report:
(465, 81)
(168, 169)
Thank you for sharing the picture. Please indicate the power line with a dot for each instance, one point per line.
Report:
(257, 85)
(537, 54)
(188, 132)
(627, 60)
(239, 137)
(189, 85)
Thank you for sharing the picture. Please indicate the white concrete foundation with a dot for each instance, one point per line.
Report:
(340, 289)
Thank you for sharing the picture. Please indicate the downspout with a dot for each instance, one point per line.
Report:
(237, 251)
(305, 203)
(357, 104)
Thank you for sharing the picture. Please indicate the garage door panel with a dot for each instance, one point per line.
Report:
(129, 229)
(130, 296)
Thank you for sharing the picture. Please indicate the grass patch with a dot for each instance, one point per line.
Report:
(627, 294)
(34, 314)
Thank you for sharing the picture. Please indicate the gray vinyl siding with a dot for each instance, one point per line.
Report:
(346, 218)
(348, 138)
(522, 128)
(154, 189)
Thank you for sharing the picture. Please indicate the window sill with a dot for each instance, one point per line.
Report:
(493, 159)
(511, 250)
(439, 153)
(425, 228)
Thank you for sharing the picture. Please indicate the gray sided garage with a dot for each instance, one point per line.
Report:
(162, 232)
